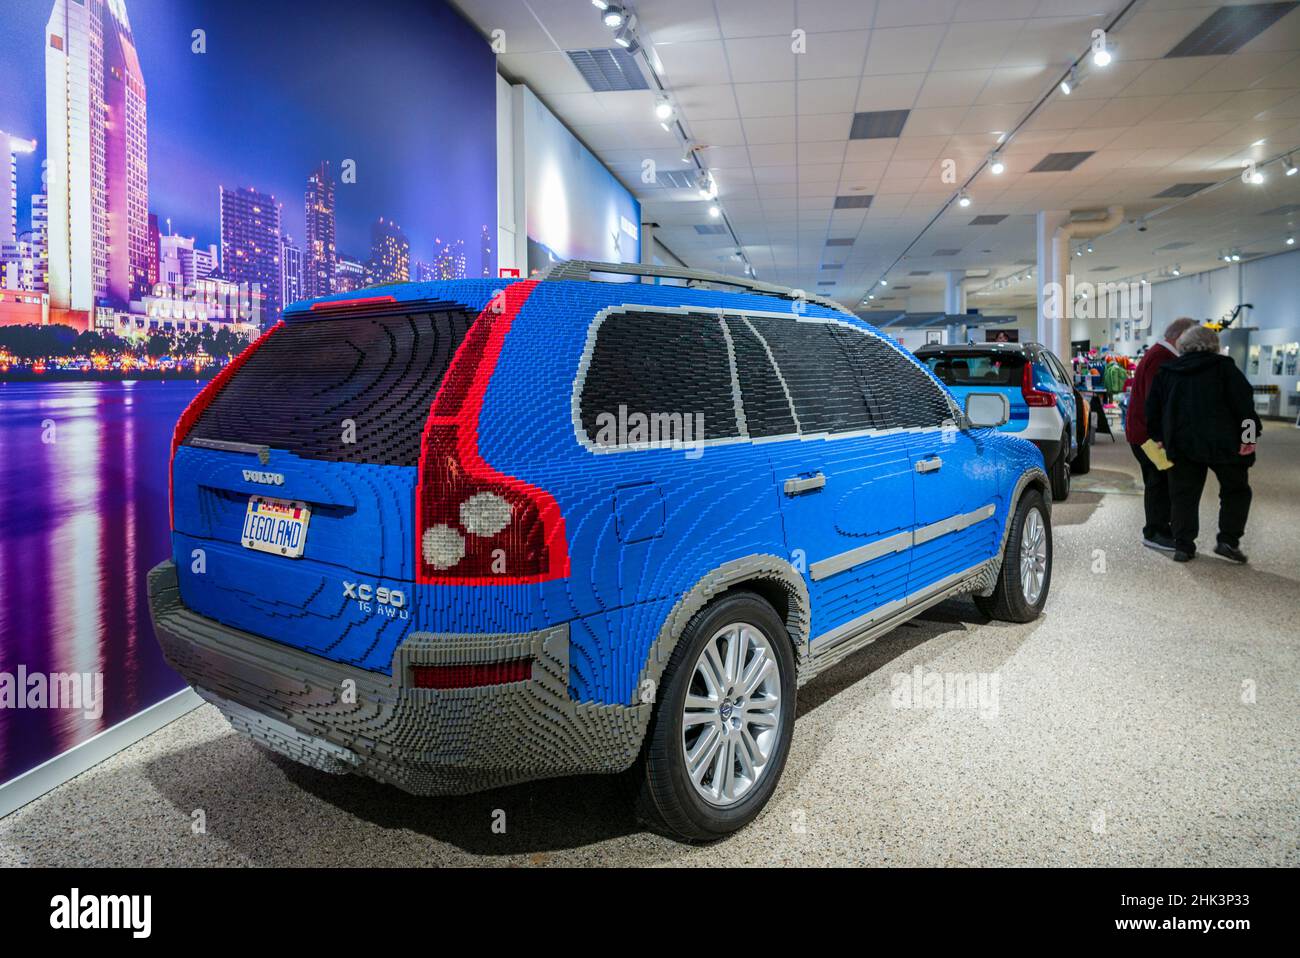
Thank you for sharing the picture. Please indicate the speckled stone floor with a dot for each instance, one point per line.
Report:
(1151, 717)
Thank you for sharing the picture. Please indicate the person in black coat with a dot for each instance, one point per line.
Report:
(1201, 410)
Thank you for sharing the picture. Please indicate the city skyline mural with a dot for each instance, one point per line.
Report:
(143, 133)
(237, 156)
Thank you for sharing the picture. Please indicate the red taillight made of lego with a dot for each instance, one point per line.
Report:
(474, 524)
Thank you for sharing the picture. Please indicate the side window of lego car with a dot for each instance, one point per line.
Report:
(901, 394)
(817, 374)
(652, 376)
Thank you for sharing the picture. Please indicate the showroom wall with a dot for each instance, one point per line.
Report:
(1272, 285)
(263, 130)
(557, 200)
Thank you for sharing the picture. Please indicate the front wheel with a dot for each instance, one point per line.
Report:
(718, 741)
(1026, 576)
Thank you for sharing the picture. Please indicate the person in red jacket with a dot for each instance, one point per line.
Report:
(1156, 533)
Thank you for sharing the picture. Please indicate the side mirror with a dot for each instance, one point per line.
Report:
(987, 409)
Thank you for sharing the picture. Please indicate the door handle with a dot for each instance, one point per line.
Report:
(932, 464)
(801, 484)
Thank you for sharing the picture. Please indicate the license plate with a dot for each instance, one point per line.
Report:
(278, 526)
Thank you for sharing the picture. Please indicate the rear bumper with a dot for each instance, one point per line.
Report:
(339, 718)
(1050, 448)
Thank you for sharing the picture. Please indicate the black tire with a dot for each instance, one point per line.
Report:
(1008, 602)
(1083, 459)
(666, 800)
(1059, 474)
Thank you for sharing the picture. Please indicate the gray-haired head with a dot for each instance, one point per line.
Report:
(1179, 326)
(1198, 339)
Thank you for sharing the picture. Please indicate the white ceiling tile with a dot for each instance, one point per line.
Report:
(760, 59)
(837, 95)
(692, 64)
(903, 49)
(895, 91)
(752, 18)
(765, 99)
(839, 54)
(778, 129)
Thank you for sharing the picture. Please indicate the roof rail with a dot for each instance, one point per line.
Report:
(582, 269)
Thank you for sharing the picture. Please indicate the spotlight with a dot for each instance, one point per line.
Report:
(1089, 249)
(1290, 167)
(884, 282)
(1100, 55)
(705, 186)
(1236, 257)
(664, 109)
(963, 199)
(1071, 82)
(871, 295)
(1177, 271)
(599, 4)
(1290, 241)
(1250, 173)
(996, 166)
(612, 15)
(714, 211)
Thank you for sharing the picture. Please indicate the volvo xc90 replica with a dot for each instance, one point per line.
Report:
(464, 534)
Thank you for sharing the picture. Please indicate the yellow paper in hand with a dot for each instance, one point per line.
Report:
(1156, 454)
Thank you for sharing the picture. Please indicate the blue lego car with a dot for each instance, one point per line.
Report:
(1045, 407)
(462, 534)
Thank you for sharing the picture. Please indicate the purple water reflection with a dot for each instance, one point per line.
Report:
(82, 520)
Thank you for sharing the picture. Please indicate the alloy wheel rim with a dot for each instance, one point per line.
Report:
(1033, 556)
(731, 721)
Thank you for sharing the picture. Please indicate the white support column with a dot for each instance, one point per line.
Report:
(1053, 332)
(954, 292)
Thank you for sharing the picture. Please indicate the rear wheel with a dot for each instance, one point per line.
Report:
(1026, 576)
(718, 741)
(1060, 472)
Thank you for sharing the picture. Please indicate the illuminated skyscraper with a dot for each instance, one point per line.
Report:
(448, 259)
(98, 160)
(10, 147)
(250, 246)
(291, 270)
(390, 253)
(318, 245)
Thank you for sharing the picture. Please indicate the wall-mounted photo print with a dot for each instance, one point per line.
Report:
(181, 172)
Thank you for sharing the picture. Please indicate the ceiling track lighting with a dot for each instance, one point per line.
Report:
(1071, 82)
(611, 15)
(664, 109)
(996, 166)
(1289, 166)
(963, 199)
(1290, 241)
(1100, 53)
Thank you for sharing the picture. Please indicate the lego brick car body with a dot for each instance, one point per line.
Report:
(1046, 408)
(463, 534)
